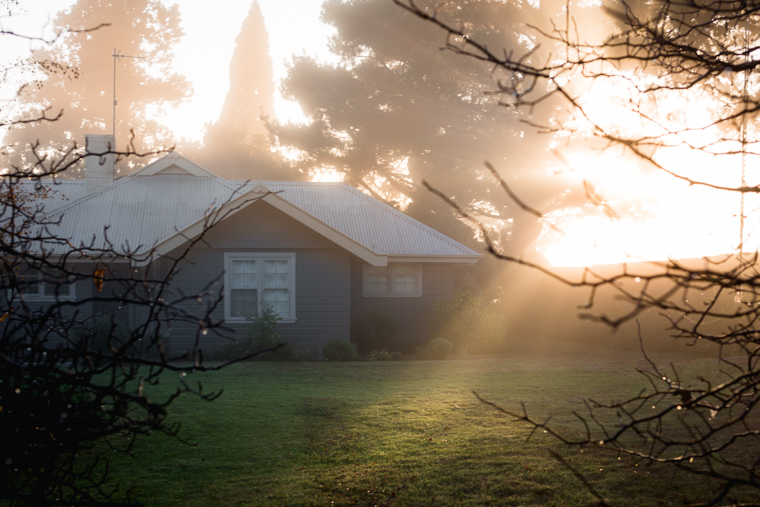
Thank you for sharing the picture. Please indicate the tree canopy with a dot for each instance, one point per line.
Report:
(237, 145)
(75, 77)
(674, 87)
(398, 110)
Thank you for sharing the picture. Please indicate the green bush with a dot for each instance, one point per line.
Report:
(340, 350)
(376, 331)
(438, 348)
(261, 335)
(469, 324)
(380, 355)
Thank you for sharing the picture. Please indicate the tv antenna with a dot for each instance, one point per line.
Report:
(116, 55)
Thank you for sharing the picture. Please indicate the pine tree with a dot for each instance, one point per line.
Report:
(398, 111)
(237, 145)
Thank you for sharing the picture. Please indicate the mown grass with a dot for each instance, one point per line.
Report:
(394, 433)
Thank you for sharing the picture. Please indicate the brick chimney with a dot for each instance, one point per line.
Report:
(98, 170)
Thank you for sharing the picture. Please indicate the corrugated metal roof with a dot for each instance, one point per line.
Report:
(377, 226)
(57, 192)
(138, 212)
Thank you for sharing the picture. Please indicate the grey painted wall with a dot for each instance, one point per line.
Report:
(410, 313)
(322, 277)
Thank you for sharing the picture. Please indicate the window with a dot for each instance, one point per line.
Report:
(395, 279)
(252, 280)
(44, 288)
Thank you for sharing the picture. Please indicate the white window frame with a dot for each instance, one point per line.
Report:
(44, 281)
(393, 288)
(259, 257)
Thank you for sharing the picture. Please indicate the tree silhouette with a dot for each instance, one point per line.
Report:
(661, 59)
(238, 142)
(75, 78)
(397, 110)
(75, 387)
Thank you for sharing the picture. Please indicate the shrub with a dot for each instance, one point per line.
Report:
(380, 355)
(469, 324)
(438, 348)
(261, 335)
(374, 332)
(309, 352)
(340, 350)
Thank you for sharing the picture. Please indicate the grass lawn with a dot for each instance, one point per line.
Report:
(393, 433)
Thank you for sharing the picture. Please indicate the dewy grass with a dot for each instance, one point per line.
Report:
(391, 433)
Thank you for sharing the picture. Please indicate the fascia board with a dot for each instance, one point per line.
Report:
(469, 259)
(80, 258)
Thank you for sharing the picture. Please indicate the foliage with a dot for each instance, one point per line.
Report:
(397, 355)
(340, 350)
(468, 324)
(375, 331)
(101, 333)
(633, 89)
(380, 355)
(72, 387)
(397, 110)
(238, 142)
(438, 348)
(72, 384)
(74, 79)
(261, 335)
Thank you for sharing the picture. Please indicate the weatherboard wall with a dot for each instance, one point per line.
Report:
(322, 287)
(409, 313)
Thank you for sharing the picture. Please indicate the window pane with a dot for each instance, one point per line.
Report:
(278, 300)
(29, 285)
(244, 302)
(243, 265)
(243, 273)
(378, 279)
(405, 284)
(49, 288)
(404, 278)
(275, 273)
(254, 279)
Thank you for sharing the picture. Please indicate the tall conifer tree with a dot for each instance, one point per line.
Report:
(237, 145)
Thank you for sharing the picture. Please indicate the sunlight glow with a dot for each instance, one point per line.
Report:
(639, 212)
(326, 174)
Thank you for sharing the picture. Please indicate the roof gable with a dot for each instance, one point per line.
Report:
(175, 164)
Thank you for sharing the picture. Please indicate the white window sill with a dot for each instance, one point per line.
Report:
(46, 299)
(234, 320)
(374, 295)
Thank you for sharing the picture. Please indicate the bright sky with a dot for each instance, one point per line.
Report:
(294, 28)
(204, 54)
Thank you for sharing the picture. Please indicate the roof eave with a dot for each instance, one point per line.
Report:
(457, 259)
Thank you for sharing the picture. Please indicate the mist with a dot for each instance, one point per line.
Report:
(396, 110)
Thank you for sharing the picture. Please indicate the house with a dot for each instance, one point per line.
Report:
(322, 255)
